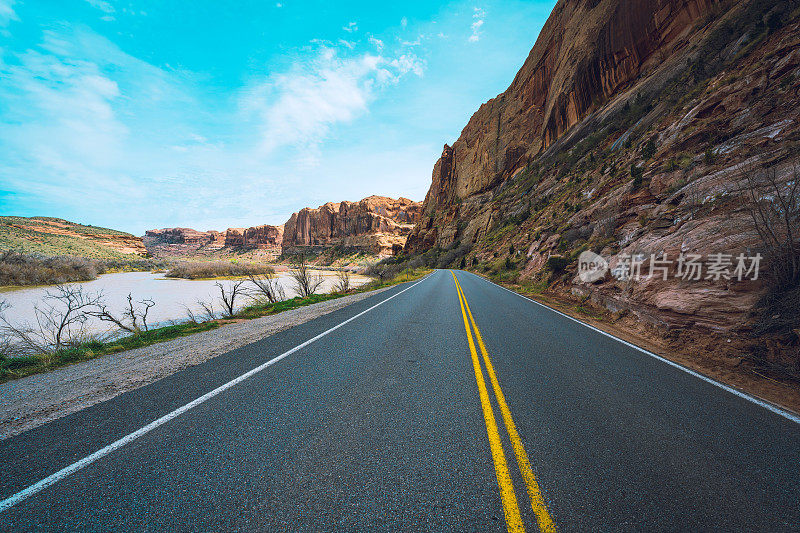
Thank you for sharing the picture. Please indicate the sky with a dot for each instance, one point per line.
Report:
(136, 115)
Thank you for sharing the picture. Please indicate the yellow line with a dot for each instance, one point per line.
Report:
(509, 499)
(537, 501)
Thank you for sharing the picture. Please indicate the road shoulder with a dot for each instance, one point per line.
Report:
(707, 359)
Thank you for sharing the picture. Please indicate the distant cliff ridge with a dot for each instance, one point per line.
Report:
(375, 224)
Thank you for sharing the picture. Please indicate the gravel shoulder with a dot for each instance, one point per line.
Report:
(29, 402)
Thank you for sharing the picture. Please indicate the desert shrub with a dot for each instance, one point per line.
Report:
(649, 149)
(636, 173)
(556, 264)
(216, 269)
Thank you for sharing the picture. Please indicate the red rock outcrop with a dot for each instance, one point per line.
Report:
(375, 224)
(264, 236)
(684, 93)
(187, 236)
(587, 51)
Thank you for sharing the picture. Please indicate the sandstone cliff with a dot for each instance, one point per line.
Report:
(186, 241)
(375, 224)
(628, 130)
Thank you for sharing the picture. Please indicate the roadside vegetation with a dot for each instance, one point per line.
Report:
(59, 335)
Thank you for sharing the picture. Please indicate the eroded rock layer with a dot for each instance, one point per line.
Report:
(375, 224)
(631, 129)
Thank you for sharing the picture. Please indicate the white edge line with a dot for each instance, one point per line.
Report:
(758, 401)
(89, 459)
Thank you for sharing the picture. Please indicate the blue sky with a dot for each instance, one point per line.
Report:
(207, 114)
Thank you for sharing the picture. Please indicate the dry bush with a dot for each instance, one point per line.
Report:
(306, 283)
(343, 281)
(24, 269)
(267, 287)
(774, 207)
(133, 319)
(60, 321)
(216, 269)
(229, 295)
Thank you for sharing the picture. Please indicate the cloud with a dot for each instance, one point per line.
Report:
(299, 107)
(377, 43)
(351, 27)
(478, 15)
(7, 13)
(404, 22)
(102, 5)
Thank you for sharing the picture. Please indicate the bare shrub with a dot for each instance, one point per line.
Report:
(267, 287)
(60, 321)
(216, 269)
(228, 297)
(133, 318)
(343, 281)
(306, 283)
(774, 207)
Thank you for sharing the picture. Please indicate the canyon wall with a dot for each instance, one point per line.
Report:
(631, 129)
(586, 52)
(375, 224)
(177, 242)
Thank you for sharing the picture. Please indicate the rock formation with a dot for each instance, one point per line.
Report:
(627, 130)
(375, 224)
(264, 236)
(187, 241)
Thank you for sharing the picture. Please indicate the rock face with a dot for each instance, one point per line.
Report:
(586, 52)
(375, 224)
(691, 93)
(187, 236)
(187, 241)
(264, 236)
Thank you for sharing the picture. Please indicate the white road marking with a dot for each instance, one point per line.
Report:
(74, 467)
(758, 401)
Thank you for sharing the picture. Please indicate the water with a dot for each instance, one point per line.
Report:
(173, 297)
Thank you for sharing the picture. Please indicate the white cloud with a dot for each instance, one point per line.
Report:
(102, 5)
(299, 107)
(7, 13)
(478, 15)
(351, 27)
(377, 43)
(404, 22)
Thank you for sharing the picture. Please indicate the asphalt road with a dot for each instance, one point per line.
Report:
(400, 420)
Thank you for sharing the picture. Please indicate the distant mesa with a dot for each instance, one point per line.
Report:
(375, 225)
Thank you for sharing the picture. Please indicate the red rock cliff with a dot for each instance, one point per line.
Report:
(339, 223)
(587, 51)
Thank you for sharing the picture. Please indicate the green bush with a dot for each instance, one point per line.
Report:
(636, 174)
(556, 264)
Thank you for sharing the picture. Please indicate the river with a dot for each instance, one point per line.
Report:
(173, 297)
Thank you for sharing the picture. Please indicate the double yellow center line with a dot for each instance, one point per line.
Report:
(509, 498)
